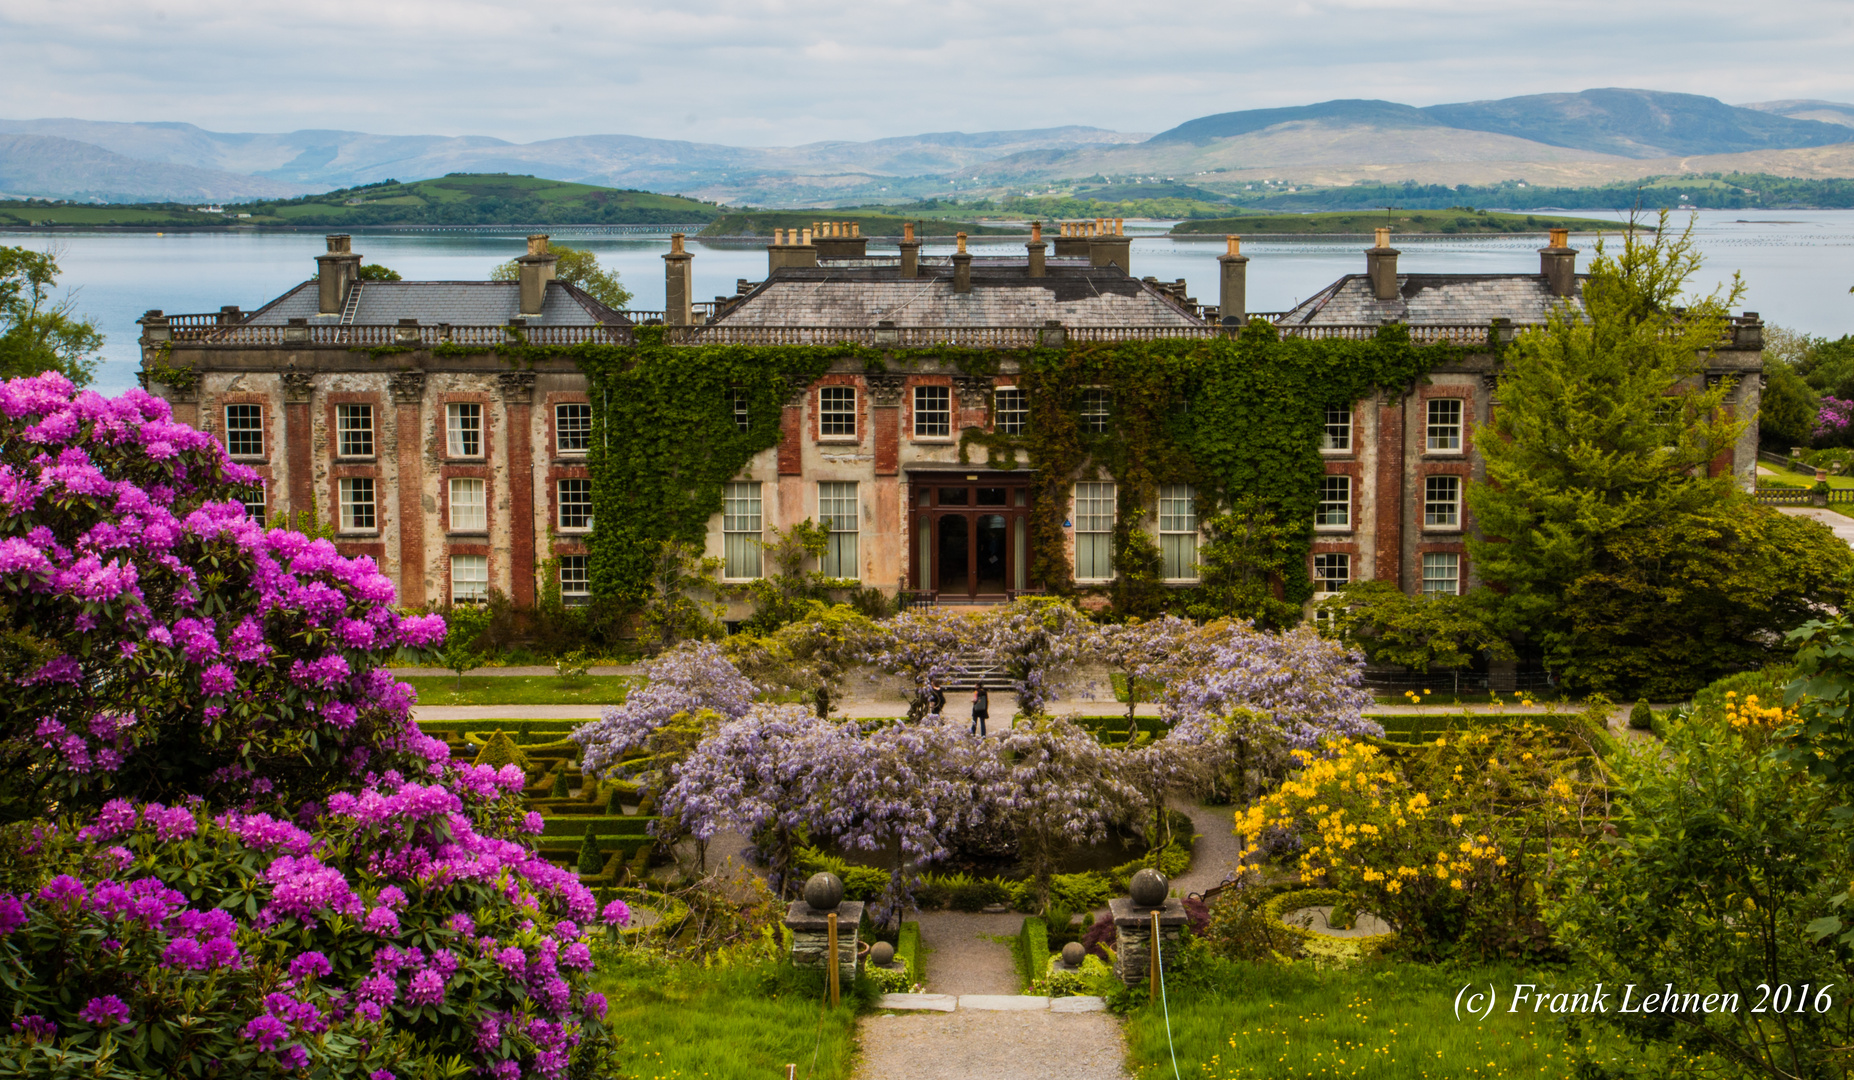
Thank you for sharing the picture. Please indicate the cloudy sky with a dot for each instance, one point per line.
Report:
(781, 72)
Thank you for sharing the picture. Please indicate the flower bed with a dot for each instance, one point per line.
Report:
(1277, 908)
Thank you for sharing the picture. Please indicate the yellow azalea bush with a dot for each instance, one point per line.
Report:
(1451, 842)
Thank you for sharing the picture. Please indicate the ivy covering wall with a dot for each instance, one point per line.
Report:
(1234, 418)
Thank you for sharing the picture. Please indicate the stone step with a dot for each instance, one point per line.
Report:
(989, 1003)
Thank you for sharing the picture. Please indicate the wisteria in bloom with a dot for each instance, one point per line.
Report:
(923, 646)
(1037, 641)
(1301, 687)
(178, 646)
(1061, 788)
(1145, 652)
(688, 678)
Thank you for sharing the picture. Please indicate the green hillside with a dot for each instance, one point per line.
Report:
(457, 199)
(763, 222)
(1459, 220)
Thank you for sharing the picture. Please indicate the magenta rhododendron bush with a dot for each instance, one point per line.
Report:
(230, 850)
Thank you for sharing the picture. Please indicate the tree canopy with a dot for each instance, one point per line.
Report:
(38, 333)
(579, 268)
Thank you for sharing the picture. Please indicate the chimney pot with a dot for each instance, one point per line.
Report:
(1381, 266)
(962, 243)
(338, 243)
(1560, 238)
(537, 244)
(1233, 243)
(1558, 264)
(1383, 232)
(907, 231)
(856, 229)
(808, 234)
(1117, 224)
(1036, 232)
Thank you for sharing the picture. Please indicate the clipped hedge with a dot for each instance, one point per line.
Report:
(1032, 950)
(908, 949)
(1279, 905)
(572, 827)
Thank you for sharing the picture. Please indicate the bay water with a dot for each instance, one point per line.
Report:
(1797, 266)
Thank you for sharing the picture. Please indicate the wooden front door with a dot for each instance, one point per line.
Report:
(971, 534)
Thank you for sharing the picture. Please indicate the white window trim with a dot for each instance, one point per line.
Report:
(574, 597)
(560, 506)
(914, 419)
(1197, 535)
(1077, 532)
(1423, 577)
(1318, 593)
(1351, 437)
(560, 451)
(450, 506)
(485, 579)
(1351, 496)
(726, 532)
(373, 431)
(856, 417)
(1461, 429)
(1024, 413)
(1460, 504)
(341, 507)
(482, 431)
(225, 418)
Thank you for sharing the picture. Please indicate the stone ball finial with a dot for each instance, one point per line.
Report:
(881, 954)
(825, 891)
(1072, 954)
(1149, 888)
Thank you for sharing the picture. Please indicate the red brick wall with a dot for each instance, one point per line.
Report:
(1390, 495)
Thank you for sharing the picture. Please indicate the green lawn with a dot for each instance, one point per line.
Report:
(726, 1023)
(521, 689)
(1384, 1021)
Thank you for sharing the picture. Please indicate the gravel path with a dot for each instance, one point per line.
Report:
(963, 958)
(1214, 858)
(992, 1046)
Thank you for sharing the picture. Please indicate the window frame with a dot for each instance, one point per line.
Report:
(1332, 442)
(740, 408)
(583, 567)
(1096, 411)
(451, 503)
(581, 484)
(1453, 562)
(363, 435)
(473, 597)
(262, 504)
(456, 435)
(1453, 502)
(561, 427)
(837, 414)
(731, 526)
(1097, 493)
(1020, 414)
(1176, 494)
(1344, 560)
(1327, 481)
(943, 410)
(347, 509)
(843, 543)
(257, 430)
(1431, 427)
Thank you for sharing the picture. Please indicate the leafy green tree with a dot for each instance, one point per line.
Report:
(38, 333)
(1721, 863)
(673, 614)
(787, 594)
(1827, 366)
(1598, 470)
(1787, 411)
(377, 272)
(577, 267)
(1245, 552)
(1419, 632)
(812, 655)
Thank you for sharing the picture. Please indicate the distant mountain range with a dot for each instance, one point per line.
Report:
(1595, 136)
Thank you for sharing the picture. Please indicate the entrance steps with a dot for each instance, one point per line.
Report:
(971, 668)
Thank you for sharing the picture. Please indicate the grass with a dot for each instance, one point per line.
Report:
(747, 1022)
(522, 689)
(1384, 1021)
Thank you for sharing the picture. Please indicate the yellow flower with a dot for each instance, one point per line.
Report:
(1442, 872)
(1455, 820)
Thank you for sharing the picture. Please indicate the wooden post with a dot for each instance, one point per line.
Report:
(791, 1072)
(1153, 952)
(833, 976)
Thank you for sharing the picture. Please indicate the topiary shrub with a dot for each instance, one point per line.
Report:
(591, 861)
(499, 750)
(1641, 717)
(560, 789)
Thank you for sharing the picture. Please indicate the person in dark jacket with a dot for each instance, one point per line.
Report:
(981, 710)
(936, 699)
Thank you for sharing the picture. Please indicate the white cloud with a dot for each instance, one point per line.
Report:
(793, 71)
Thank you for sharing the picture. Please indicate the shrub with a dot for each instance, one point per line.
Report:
(1032, 950)
(499, 750)
(591, 860)
(1641, 717)
(1240, 930)
(560, 790)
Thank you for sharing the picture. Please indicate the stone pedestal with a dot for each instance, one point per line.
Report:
(811, 936)
(1133, 937)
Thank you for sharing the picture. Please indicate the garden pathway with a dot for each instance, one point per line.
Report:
(1215, 856)
(974, 1044)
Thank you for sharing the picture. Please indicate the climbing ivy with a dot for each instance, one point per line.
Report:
(1238, 419)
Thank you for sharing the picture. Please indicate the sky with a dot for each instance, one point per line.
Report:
(785, 72)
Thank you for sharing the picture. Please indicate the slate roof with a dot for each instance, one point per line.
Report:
(460, 303)
(1431, 299)
(1002, 295)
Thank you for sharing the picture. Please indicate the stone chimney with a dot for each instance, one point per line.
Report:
(910, 252)
(1381, 266)
(1558, 264)
(1036, 247)
(335, 273)
(1109, 246)
(1070, 242)
(789, 248)
(1233, 298)
(678, 285)
(841, 240)
(535, 270)
(962, 267)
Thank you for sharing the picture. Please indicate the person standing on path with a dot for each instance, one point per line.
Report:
(981, 710)
(936, 700)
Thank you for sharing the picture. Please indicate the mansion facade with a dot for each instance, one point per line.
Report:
(363, 406)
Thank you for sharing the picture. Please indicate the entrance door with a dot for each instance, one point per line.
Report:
(972, 535)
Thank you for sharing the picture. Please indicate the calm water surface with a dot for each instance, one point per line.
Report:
(1797, 267)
